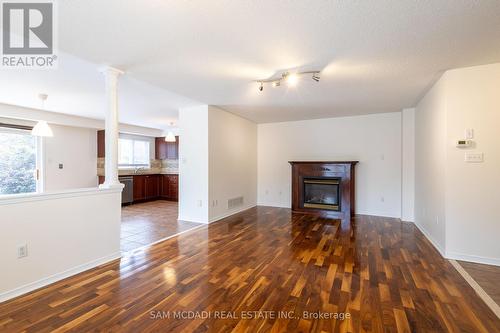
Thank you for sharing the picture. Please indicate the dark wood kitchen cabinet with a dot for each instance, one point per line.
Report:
(101, 144)
(146, 187)
(170, 187)
(166, 150)
(152, 186)
(139, 187)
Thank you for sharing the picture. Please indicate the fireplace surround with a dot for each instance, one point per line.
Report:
(324, 188)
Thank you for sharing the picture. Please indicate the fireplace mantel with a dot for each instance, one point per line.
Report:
(343, 171)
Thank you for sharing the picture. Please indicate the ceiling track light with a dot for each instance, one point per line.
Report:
(291, 78)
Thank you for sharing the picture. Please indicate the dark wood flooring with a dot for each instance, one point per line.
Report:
(487, 276)
(383, 273)
(148, 222)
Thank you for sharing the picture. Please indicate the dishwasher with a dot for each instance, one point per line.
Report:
(128, 190)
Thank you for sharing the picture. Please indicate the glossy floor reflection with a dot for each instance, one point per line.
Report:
(146, 223)
(265, 261)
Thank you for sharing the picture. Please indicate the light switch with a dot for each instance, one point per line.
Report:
(474, 157)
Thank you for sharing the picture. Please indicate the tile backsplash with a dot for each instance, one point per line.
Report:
(157, 166)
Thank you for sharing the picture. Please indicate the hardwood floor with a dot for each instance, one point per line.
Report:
(487, 276)
(382, 272)
(148, 222)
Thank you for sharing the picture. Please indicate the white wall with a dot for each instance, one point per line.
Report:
(76, 149)
(456, 202)
(373, 140)
(65, 233)
(473, 189)
(233, 162)
(408, 165)
(193, 164)
(430, 160)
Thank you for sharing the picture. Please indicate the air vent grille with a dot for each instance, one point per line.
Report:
(235, 202)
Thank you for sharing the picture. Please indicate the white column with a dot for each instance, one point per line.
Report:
(111, 126)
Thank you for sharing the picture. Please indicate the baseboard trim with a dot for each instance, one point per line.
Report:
(223, 216)
(436, 245)
(477, 288)
(5, 296)
(472, 258)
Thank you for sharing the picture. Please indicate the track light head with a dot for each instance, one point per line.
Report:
(261, 87)
(276, 83)
(316, 77)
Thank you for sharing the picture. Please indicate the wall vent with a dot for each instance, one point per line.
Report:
(235, 202)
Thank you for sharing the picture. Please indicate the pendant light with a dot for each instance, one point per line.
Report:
(170, 137)
(42, 128)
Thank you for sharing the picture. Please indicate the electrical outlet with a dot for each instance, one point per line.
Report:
(200, 203)
(471, 157)
(22, 251)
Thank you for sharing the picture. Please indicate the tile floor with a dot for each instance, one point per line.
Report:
(148, 222)
(487, 276)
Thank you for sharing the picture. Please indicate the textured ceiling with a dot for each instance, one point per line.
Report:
(375, 56)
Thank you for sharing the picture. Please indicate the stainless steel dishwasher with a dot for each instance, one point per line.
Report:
(128, 190)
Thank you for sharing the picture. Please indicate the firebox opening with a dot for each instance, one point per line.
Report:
(322, 193)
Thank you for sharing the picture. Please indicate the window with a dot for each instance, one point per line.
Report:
(133, 153)
(18, 161)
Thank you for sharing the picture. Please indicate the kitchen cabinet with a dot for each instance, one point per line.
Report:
(152, 186)
(101, 151)
(139, 187)
(166, 150)
(170, 187)
(146, 187)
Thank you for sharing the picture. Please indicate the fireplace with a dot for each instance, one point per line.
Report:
(323, 188)
(322, 193)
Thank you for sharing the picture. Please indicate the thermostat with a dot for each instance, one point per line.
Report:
(464, 143)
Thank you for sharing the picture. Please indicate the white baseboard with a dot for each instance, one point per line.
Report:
(431, 240)
(471, 258)
(223, 216)
(57, 277)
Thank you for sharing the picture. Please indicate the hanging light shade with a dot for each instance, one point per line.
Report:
(170, 137)
(42, 129)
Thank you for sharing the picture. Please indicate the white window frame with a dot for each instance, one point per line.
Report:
(135, 165)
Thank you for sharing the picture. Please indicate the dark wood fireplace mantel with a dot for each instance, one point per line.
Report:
(339, 178)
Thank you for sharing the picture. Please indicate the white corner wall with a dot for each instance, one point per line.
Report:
(473, 189)
(218, 162)
(456, 202)
(233, 162)
(76, 149)
(408, 165)
(430, 160)
(373, 140)
(193, 164)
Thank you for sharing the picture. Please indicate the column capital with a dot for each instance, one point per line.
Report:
(111, 71)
